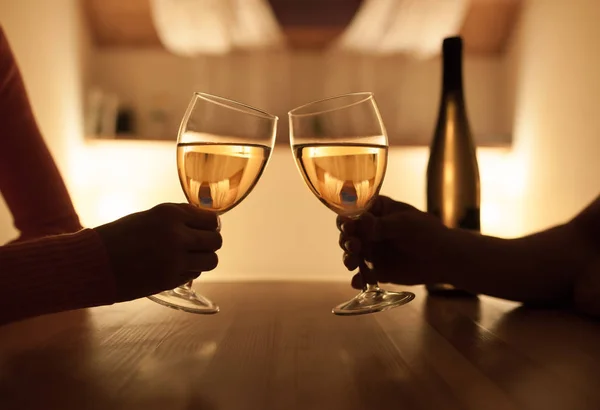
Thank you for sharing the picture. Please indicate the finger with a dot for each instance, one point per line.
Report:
(181, 279)
(340, 220)
(202, 241)
(342, 240)
(189, 276)
(357, 282)
(354, 244)
(197, 218)
(348, 226)
(201, 261)
(173, 280)
(351, 261)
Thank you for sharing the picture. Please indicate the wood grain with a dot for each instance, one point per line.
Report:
(277, 346)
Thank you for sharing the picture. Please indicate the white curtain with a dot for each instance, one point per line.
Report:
(196, 27)
(403, 26)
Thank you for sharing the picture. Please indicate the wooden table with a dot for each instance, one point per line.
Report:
(277, 346)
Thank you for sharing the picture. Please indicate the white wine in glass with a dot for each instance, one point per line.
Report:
(345, 177)
(217, 177)
(223, 147)
(340, 146)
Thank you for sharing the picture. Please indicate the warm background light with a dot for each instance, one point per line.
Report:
(281, 231)
(416, 27)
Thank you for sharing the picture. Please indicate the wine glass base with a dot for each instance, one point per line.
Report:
(372, 301)
(184, 298)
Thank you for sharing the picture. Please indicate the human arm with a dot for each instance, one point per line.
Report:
(135, 256)
(30, 182)
(556, 266)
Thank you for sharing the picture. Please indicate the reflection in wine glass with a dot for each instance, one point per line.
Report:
(223, 147)
(340, 146)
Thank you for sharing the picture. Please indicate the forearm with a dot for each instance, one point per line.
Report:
(53, 274)
(29, 179)
(537, 269)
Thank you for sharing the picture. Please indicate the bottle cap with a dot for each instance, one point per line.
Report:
(452, 45)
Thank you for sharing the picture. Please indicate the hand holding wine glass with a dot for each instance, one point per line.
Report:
(406, 246)
(223, 147)
(160, 248)
(340, 146)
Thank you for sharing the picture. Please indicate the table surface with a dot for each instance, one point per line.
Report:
(277, 346)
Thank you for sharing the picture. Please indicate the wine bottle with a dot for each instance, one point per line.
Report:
(452, 171)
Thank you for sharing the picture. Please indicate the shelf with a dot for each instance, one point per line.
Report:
(482, 140)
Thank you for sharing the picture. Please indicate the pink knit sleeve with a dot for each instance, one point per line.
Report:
(53, 274)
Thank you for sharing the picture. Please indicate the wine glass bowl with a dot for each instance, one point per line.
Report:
(223, 147)
(341, 149)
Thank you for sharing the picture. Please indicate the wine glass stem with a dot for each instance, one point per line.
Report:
(188, 285)
(368, 276)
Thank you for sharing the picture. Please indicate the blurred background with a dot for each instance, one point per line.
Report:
(109, 81)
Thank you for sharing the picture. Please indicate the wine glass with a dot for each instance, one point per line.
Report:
(223, 147)
(340, 145)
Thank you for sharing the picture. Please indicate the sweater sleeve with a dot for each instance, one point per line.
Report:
(54, 274)
(60, 270)
(29, 179)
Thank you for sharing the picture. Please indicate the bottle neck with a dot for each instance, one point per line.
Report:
(452, 79)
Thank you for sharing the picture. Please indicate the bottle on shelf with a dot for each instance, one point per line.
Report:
(158, 122)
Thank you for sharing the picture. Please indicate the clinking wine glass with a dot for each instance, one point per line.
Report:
(223, 147)
(340, 145)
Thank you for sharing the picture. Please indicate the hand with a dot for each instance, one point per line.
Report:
(405, 245)
(161, 248)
